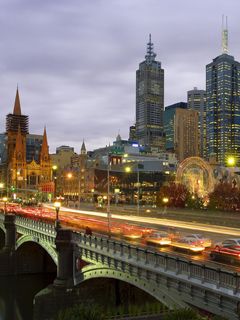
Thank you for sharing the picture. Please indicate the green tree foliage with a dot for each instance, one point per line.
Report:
(176, 193)
(183, 314)
(225, 196)
(81, 312)
(194, 202)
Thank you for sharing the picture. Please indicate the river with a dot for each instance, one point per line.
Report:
(17, 294)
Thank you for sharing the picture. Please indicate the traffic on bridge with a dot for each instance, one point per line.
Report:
(208, 244)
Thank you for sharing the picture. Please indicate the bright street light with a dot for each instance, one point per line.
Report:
(5, 199)
(128, 170)
(57, 206)
(231, 161)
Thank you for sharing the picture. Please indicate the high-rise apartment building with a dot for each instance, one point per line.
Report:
(168, 120)
(186, 140)
(149, 101)
(196, 100)
(223, 105)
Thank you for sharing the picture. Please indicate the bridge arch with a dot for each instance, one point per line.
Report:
(150, 286)
(2, 236)
(47, 247)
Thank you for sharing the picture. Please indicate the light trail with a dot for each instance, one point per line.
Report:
(158, 221)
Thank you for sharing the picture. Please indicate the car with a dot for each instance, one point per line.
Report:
(228, 249)
(206, 242)
(228, 243)
(188, 244)
(158, 237)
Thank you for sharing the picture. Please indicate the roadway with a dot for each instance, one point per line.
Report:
(214, 232)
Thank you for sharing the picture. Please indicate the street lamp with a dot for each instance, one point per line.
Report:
(57, 206)
(69, 177)
(5, 199)
(1, 188)
(231, 161)
(128, 170)
(165, 200)
(108, 197)
(54, 170)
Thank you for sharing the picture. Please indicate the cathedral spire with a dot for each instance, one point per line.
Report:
(224, 36)
(44, 149)
(83, 148)
(18, 138)
(17, 106)
(150, 56)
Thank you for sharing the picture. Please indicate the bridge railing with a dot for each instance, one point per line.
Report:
(36, 225)
(164, 261)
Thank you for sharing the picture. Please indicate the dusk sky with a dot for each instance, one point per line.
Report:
(75, 61)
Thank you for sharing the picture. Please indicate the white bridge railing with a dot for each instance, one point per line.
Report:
(220, 279)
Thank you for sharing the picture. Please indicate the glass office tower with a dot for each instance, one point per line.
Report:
(223, 105)
(197, 101)
(149, 101)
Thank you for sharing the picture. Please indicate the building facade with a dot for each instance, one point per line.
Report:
(223, 106)
(186, 139)
(168, 120)
(196, 100)
(150, 101)
(25, 166)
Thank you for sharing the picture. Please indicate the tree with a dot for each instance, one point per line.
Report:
(225, 196)
(183, 314)
(81, 312)
(176, 193)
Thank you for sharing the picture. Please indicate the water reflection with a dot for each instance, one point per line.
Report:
(17, 293)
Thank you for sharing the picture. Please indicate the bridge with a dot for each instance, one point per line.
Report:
(174, 281)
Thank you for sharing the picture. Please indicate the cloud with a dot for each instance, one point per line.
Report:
(75, 61)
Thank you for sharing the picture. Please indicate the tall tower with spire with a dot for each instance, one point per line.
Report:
(150, 101)
(223, 104)
(13, 122)
(18, 170)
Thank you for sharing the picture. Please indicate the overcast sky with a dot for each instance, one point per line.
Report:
(75, 60)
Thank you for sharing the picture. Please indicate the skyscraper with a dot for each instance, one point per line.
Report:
(169, 126)
(186, 141)
(149, 101)
(196, 100)
(223, 104)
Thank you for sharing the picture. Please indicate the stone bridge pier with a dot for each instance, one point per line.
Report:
(8, 253)
(63, 292)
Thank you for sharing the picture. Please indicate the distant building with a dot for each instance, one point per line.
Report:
(168, 117)
(132, 133)
(62, 157)
(223, 105)
(196, 100)
(150, 101)
(186, 139)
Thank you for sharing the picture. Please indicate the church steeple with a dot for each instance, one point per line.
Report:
(83, 148)
(19, 143)
(44, 155)
(17, 105)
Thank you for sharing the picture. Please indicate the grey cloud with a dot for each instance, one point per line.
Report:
(75, 61)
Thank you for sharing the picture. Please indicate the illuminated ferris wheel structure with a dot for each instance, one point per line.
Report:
(197, 175)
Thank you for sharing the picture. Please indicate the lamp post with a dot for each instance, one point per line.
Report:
(54, 171)
(129, 169)
(5, 199)
(108, 197)
(1, 188)
(69, 177)
(57, 206)
(165, 200)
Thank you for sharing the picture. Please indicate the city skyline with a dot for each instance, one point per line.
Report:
(81, 60)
